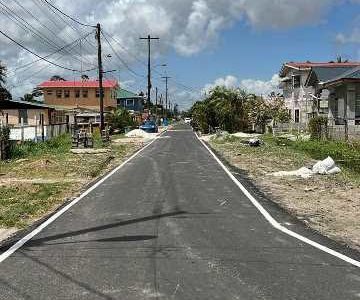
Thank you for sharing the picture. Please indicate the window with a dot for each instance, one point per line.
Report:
(77, 93)
(49, 92)
(129, 102)
(296, 81)
(58, 93)
(357, 106)
(23, 115)
(66, 94)
(297, 116)
(85, 93)
(97, 93)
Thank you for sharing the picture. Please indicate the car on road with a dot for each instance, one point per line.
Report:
(149, 126)
(187, 120)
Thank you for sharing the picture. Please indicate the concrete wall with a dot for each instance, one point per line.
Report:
(34, 133)
(91, 101)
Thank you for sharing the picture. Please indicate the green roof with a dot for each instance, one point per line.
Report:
(125, 94)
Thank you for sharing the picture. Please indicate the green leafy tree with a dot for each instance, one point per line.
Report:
(120, 119)
(4, 93)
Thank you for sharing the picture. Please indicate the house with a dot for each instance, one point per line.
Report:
(79, 94)
(130, 101)
(299, 82)
(338, 94)
(16, 112)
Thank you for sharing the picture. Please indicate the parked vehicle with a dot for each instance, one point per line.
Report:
(187, 120)
(149, 126)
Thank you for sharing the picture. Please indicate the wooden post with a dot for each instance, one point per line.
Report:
(22, 129)
(42, 127)
(36, 123)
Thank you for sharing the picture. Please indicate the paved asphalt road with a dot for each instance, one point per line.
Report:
(172, 225)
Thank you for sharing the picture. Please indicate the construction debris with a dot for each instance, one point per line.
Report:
(323, 167)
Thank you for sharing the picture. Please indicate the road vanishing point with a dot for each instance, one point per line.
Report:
(172, 224)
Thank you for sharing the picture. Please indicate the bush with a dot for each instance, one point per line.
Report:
(120, 119)
(318, 127)
(59, 144)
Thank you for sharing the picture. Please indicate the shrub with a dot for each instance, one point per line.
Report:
(318, 127)
(120, 119)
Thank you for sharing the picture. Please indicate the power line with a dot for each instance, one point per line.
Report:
(118, 56)
(41, 57)
(66, 15)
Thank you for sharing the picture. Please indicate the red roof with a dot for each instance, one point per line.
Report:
(80, 84)
(321, 64)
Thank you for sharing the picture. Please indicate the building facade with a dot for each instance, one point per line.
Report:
(302, 94)
(79, 94)
(130, 101)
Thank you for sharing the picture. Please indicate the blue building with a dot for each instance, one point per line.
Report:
(130, 101)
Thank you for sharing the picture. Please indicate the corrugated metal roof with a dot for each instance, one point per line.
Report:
(79, 84)
(124, 94)
(353, 73)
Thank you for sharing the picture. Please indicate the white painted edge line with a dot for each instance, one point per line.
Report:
(43, 225)
(272, 221)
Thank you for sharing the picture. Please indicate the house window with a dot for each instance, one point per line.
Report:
(77, 93)
(97, 93)
(49, 92)
(23, 115)
(296, 81)
(129, 102)
(297, 116)
(66, 94)
(357, 106)
(85, 93)
(58, 93)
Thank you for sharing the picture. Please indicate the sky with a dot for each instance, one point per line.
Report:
(235, 43)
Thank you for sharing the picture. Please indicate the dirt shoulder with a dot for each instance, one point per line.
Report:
(329, 204)
(33, 187)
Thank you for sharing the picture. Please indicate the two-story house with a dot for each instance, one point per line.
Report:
(130, 101)
(85, 94)
(299, 90)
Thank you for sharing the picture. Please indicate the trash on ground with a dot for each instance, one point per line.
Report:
(140, 134)
(254, 142)
(323, 167)
(245, 135)
(89, 151)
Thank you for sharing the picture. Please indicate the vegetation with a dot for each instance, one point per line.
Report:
(120, 119)
(4, 93)
(236, 110)
(317, 126)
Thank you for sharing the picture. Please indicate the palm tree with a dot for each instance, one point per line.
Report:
(56, 78)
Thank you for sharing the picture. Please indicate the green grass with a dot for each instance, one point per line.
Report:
(57, 145)
(20, 204)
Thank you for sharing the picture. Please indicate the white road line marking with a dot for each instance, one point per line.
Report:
(38, 229)
(272, 221)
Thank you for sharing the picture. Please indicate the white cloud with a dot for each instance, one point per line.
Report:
(259, 87)
(186, 26)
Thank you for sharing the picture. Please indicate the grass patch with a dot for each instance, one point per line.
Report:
(21, 204)
(57, 145)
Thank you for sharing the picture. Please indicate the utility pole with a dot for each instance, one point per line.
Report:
(101, 89)
(149, 38)
(166, 92)
(156, 103)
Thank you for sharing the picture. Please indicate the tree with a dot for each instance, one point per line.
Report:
(56, 78)
(278, 111)
(28, 98)
(120, 119)
(4, 93)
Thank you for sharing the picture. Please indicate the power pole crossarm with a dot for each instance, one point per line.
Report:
(149, 38)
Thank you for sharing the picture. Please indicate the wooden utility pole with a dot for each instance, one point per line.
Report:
(156, 103)
(166, 92)
(101, 88)
(149, 38)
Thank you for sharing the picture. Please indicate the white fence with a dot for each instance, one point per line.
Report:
(37, 133)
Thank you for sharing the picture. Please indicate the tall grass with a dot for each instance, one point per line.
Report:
(57, 145)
